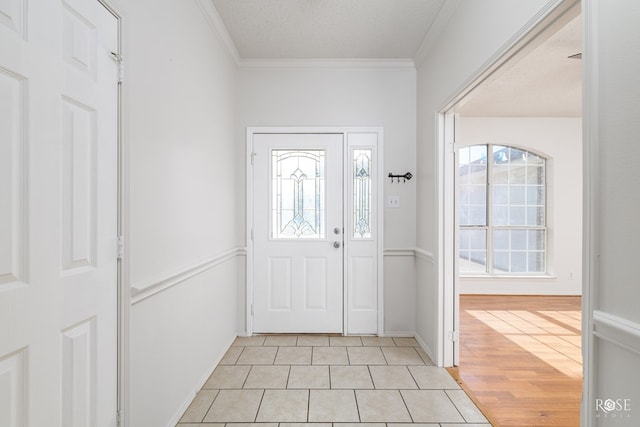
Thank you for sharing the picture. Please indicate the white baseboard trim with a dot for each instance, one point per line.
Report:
(150, 287)
(183, 407)
(425, 347)
(617, 330)
(397, 334)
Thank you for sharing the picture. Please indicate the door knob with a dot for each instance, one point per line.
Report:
(336, 230)
(336, 245)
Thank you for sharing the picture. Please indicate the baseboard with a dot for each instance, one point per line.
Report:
(397, 334)
(185, 405)
(425, 347)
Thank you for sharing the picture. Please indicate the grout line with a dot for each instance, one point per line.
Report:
(413, 377)
(407, 407)
(235, 363)
(355, 397)
(276, 356)
(209, 408)
(255, 419)
(246, 378)
(373, 384)
(455, 406)
(286, 386)
(383, 355)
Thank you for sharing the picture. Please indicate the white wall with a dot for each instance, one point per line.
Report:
(559, 140)
(180, 108)
(474, 33)
(612, 269)
(339, 94)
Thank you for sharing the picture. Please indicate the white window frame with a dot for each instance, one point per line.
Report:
(489, 228)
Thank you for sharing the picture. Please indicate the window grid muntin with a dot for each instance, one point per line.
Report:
(537, 162)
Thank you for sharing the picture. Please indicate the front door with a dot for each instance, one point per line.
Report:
(298, 233)
(58, 213)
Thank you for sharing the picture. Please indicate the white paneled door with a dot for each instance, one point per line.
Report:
(58, 213)
(298, 233)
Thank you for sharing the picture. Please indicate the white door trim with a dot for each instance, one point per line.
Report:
(546, 18)
(123, 297)
(345, 131)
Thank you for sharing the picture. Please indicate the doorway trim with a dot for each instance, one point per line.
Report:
(116, 8)
(519, 45)
(378, 206)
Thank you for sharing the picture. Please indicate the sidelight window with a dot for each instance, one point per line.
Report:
(362, 194)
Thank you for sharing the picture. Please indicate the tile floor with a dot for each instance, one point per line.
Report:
(292, 380)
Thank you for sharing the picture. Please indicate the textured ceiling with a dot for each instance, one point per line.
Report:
(327, 29)
(544, 83)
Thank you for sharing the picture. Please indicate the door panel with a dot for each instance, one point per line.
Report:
(298, 224)
(58, 212)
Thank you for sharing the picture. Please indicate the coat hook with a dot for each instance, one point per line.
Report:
(407, 176)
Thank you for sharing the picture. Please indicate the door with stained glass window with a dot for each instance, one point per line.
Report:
(298, 233)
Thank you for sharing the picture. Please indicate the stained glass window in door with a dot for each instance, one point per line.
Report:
(362, 194)
(298, 194)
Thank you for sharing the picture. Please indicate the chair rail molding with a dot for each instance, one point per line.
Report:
(152, 286)
(622, 332)
(425, 255)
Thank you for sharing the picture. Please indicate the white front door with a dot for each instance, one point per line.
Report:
(58, 213)
(298, 233)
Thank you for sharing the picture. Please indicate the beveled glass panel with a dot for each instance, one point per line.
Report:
(362, 163)
(298, 194)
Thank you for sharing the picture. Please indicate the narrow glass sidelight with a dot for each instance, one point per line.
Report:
(362, 193)
(298, 194)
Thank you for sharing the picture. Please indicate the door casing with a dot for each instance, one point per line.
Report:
(378, 207)
(448, 327)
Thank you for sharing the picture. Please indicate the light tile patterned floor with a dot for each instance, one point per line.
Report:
(330, 381)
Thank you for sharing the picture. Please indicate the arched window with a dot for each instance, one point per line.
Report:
(502, 211)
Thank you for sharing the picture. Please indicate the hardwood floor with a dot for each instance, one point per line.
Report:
(520, 358)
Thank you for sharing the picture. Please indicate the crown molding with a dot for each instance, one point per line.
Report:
(249, 64)
(442, 19)
(217, 26)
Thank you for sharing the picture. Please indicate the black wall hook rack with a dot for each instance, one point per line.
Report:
(404, 177)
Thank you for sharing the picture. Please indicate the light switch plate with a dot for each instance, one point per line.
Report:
(393, 202)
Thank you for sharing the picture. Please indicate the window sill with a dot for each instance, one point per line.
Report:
(508, 277)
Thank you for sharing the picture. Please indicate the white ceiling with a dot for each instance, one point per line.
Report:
(542, 83)
(327, 29)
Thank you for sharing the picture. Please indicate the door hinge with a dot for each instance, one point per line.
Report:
(252, 234)
(452, 147)
(253, 156)
(120, 249)
(118, 58)
(252, 310)
(119, 418)
(454, 336)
